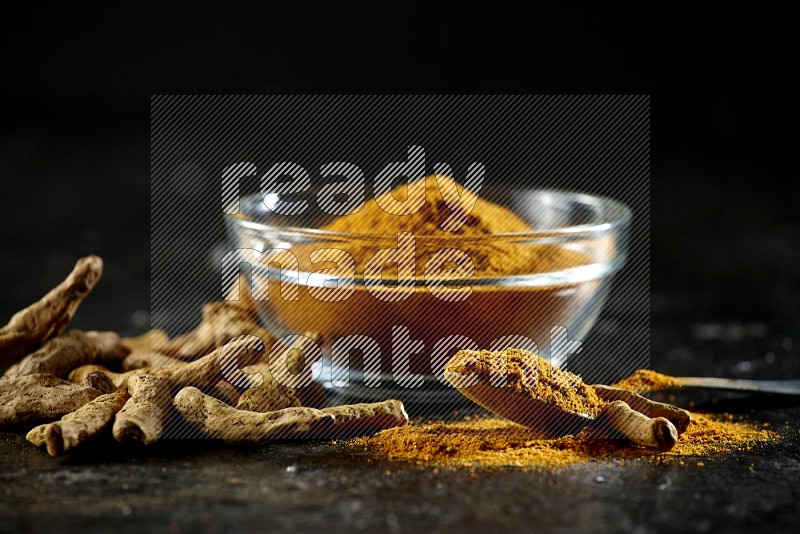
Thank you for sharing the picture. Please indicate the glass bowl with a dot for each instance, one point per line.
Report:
(374, 342)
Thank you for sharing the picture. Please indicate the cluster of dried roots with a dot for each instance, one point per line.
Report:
(219, 381)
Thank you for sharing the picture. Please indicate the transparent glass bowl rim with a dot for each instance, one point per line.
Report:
(615, 215)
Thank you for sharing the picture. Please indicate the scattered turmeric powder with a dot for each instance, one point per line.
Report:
(645, 380)
(491, 442)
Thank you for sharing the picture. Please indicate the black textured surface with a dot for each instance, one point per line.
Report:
(185, 487)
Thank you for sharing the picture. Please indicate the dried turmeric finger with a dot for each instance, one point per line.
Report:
(80, 427)
(141, 358)
(209, 369)
(677, 416)
(224, 391)
(143, 418)
(360, 419)
(99, 381)
(38, 397)
(36, 435)
(271, 394)
(150, 340)
(625, 422)
(32, 326)
(65, 352)
(287, 379)
(120, 380)
(293, 367)
(222, 321)
(217, 420)
(267, 397)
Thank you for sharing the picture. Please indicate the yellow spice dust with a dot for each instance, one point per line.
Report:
(501, 256)
(527, 373)
(645, 380)
(492, 442)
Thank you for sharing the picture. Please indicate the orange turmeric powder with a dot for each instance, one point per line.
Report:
(491, 442)
(488, 441)
(527, 373)
(498, 257)
(494, 239)
(645, 380)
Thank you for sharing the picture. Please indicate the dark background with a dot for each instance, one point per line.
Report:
(74, 139)
(725, 266)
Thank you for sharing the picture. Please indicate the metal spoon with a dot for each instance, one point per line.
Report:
(550, 420)
(782, 387)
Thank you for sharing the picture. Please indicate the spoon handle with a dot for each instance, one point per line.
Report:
(655, 433)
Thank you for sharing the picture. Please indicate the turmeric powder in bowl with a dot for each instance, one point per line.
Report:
(407, 293)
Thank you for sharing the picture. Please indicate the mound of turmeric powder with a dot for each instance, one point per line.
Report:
(501, 256)
(526, 372)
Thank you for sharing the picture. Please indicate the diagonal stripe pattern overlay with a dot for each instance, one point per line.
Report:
(210, 153)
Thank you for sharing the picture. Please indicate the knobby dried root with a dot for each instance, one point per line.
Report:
(225, 391)
(99, 381)
(359, 419)
(677, 416)
(141, 358)
(79, 375)
(287, 379)
(222, 321)
(215, 419)
(65, 352)
(143, 418)
(213, 367)
(617, 419)
(81, 426)
(267, 397)
(151, 340)
(32, 326)
(38, 397)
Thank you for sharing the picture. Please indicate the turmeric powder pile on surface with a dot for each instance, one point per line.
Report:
(525, 372)
(498, 257)
(645, 380)
(490, 442)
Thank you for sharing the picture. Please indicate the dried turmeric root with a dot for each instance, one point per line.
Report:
(224, 391)
(150, 340)
(217, 420)
(141, 358)
(208, 370)
(99, 381)
(33, 398)
(80, 375)
(267, 397)
(79, 427)
(679, 417)
(287, 380)
(144, 416)
(32, 326)
(359, 419)
(65, 352)
(222, 321)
